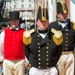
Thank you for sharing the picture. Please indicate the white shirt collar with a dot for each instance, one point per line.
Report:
(63, 24)
(15, 28)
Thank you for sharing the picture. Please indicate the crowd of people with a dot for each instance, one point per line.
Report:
(46, 50)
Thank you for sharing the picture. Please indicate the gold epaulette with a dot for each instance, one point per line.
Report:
(58, 41)
(57, 37)
(73, 24)
(27, 36)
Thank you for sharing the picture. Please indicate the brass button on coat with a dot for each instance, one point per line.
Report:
(39, 55)
(39, 59)
(66, 34)
(39, 63)
(38, 50)
(39, 66)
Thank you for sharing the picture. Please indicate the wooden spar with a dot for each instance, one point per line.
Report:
(36, 10)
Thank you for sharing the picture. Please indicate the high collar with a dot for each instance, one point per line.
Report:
(63, 21)
(41, 31)
(68, 24)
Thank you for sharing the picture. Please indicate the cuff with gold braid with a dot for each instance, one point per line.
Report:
(57, 37)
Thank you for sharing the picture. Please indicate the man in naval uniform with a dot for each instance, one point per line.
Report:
(42, 50)
(11, 44)
(66, 61)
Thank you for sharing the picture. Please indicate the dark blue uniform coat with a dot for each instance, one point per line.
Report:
(42, 53)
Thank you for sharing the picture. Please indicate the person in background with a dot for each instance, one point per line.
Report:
(66, 61)
(42, 51)
(11, 43)
(23, 25)
(32, 26)
(3, 26)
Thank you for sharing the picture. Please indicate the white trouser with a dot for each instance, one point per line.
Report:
(66, 64)
(50, 71)
(14, 67)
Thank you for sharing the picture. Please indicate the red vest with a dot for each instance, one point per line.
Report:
(13, 44)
